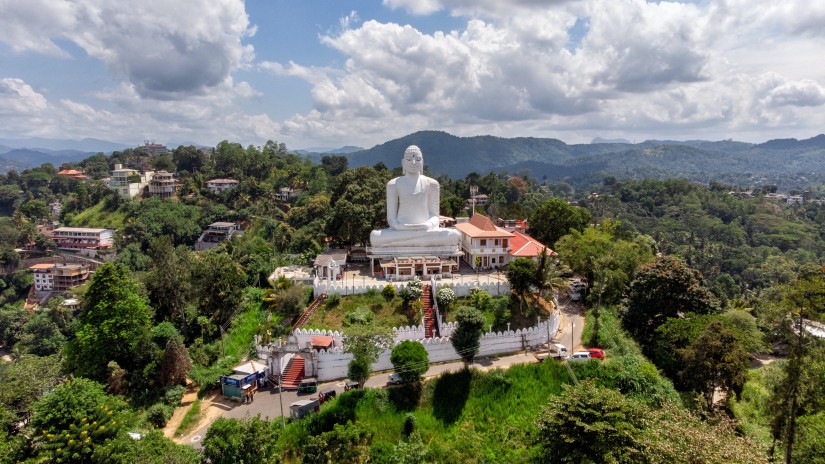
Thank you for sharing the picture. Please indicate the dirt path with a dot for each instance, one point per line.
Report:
(211, 408)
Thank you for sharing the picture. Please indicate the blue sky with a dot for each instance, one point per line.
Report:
(331, 73)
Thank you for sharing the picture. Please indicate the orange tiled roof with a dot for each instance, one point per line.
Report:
(481, 226)
(525, 246)
(41, 266)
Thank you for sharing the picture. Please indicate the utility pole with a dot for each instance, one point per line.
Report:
(280, 398)
(572, 331)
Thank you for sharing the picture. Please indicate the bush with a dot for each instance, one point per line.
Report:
(173, 395)
(361, 316)
(409, 424)
(333, 300)
(388, 291)
(159, 414)
(444, 297)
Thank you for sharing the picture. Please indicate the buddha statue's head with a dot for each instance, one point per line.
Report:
(413, 161)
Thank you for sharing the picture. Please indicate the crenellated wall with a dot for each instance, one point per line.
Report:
(460, 287)
(332, 364)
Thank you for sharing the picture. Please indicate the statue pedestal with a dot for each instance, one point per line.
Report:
(408, 251)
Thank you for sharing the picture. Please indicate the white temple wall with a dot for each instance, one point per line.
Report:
(332, 364)
(463, 288)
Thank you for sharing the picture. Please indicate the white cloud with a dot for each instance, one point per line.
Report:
(639, 66)
(19, 98)
(167, 50)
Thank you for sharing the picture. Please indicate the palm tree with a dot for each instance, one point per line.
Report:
(549, 275)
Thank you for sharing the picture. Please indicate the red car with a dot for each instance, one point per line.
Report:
(597, 353)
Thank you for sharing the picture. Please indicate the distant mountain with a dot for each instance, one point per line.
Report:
(601, 140)
(85, 145)
(327, 150)
(22, 158)
(787, 163)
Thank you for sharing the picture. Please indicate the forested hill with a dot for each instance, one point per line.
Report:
(788, 163)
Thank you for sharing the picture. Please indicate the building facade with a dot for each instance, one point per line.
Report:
(82, 238)
(163, 185)
(217, 186)
(216, 233)
(485, 245)
(59, 278)
(129, 182)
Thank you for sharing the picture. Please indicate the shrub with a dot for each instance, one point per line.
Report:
(159, 414)
(173, 395)
(444, 297)
(409, 424)
(333, 300)
(388, 291)
(362, 316)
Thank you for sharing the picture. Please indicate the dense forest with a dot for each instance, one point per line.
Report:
(699, 292)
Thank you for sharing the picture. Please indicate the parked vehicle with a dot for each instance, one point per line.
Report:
(597, 353)
(300, 409)
(578, 285)
(309, 385)
(326, 395)
(351, 385)
(556, 350)
(580, 356)
(395, 379)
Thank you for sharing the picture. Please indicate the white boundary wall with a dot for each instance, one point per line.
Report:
(461, 288)
(332, 364)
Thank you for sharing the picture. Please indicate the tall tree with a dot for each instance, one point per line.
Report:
(555, 218)
(716, 360)
(169, 281)
(465, 338)
(113, 322)
(590, 424)
(358, 205)
(175, 364)
(804, 301)
(664, 288)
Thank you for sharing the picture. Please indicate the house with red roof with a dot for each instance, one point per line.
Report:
(485, 245)
(525, 246)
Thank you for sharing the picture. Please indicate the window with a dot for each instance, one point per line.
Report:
(504, 243)
(483, 242)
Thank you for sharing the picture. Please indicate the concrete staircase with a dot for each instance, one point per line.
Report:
(293, 374)
(309, 311)
(429, 314)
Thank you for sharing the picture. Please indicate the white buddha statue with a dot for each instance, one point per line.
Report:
(412, 209)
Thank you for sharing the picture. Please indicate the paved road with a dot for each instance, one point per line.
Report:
(268, 404)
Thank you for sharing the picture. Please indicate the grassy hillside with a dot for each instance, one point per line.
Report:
(473, 416)
(98, 216)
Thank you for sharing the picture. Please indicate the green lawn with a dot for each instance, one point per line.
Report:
(98, 216)
(385, 313)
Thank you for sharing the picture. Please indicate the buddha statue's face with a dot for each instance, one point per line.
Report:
(413, 162)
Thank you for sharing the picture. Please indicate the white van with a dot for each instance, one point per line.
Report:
(580, 356)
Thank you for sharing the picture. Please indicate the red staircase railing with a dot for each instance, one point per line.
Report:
(309, 311)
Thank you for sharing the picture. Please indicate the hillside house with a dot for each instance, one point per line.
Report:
(57, 277)
(128, 182)
(83, 239)
(163, 185)
(217, 186)
(216, 233)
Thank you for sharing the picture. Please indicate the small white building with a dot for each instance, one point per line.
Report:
(485, 245)
(43, 278)
(216, 233)
(128, 182)
(217, 186)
